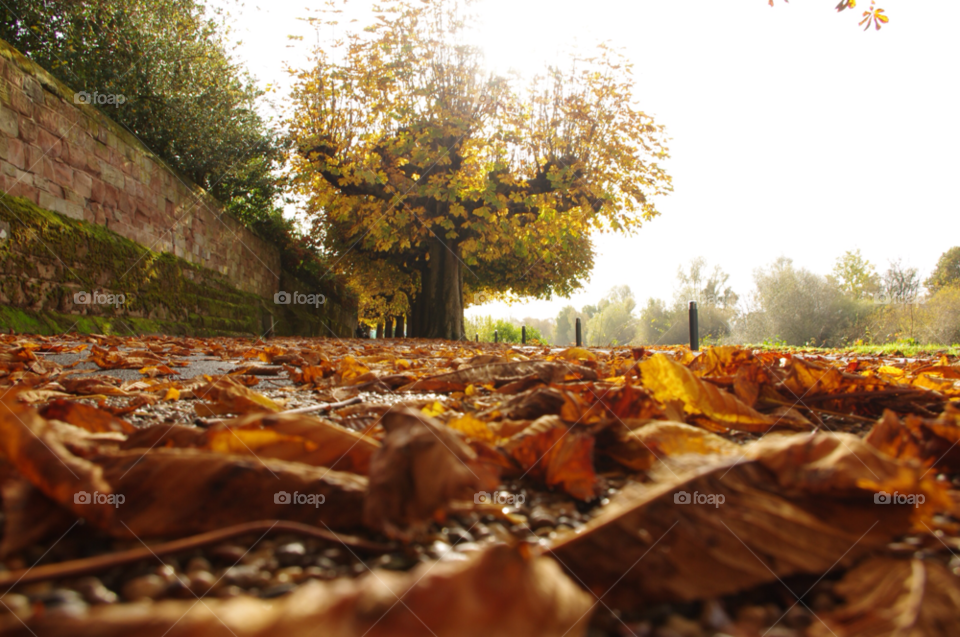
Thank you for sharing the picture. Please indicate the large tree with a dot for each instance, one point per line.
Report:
(414, 158)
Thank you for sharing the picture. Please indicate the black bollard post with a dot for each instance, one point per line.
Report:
(694, 327)
(579, 339)
(496, 336)
(523, 335)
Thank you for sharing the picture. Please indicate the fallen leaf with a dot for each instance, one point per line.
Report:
(421, 467)
(668, 380)
(227, 396)
(886, 596)
(790, 505)
(85, 416)
(557, 454)
(295, 437)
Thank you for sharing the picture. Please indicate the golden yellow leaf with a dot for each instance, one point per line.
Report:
(668, 380)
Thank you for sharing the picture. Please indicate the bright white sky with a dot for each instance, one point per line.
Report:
(793, 132)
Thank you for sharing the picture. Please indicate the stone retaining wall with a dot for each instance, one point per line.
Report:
(72, 159)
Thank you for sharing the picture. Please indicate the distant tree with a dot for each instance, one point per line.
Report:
(545, 328)
(855, 276)
(900, 285)
(940, 323)
(706, 289)
(566, 325)
(614, 322)
(800, 307)
(947, 272)
(897, 313)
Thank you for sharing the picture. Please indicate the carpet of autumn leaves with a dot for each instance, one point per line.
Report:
(604, 492)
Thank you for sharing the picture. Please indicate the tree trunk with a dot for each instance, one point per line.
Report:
(388, 327)
(379, 330)
(398, 329)
(438, 309)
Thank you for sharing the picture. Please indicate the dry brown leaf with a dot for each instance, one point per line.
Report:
(638, 448)
(497, 593)
(795, 504)
(92, 386)
(32, 446)
(933, 442)
(895, 598)
(30, 517)
(295, 437)
(227, 396)
(420, 468)
(557, 454)
(177, 492)
(105, 359)
(668, 380)
(85, 416)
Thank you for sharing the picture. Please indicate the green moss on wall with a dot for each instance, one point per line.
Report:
(48, 258)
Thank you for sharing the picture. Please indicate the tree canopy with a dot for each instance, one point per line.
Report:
(184, 97)
(947, 272)
(414, 158)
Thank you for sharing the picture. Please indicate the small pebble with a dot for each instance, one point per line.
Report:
(201, 582)
(245, 576)
(145, 587)
(94, 592)
(714, 616)
(291, 554)
(333, 554)
(467, 547)
(229, 553)
(325, 563)
(457, 534)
